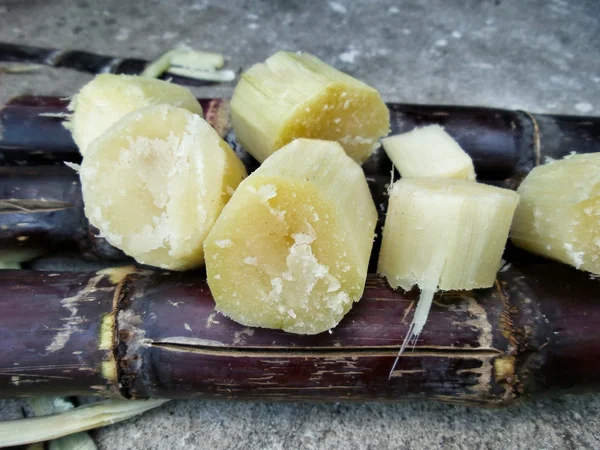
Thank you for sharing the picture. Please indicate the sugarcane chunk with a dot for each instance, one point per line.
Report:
(108, 97)
(428, 152)
(155, 182)
(559, 213)
(445, 234)
(294, 95)
(291, 249)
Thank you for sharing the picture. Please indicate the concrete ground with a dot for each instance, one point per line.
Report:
(538, 55)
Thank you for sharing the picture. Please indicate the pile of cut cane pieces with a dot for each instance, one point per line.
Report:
(288, 246)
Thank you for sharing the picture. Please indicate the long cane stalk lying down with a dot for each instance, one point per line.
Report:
(33, 131)
(42, 206)
(133, 333)
(501, 143)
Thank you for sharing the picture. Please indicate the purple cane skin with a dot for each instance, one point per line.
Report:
(537, 331)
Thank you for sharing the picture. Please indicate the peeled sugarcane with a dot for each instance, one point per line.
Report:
(453, 228)
(428, 152)
(559, 214)
(107, 98)
(185, 57)
(190, 63)
(291, 248)
(296, 95)
(155, 182)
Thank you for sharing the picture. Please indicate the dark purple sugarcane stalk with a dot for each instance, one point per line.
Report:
(502, 143)
(136, 333)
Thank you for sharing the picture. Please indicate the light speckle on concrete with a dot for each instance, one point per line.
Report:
(583, 107)
(349, 56)
(122, 35)
(338, 7)
(539, 55)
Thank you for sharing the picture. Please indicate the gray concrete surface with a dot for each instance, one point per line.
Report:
(538, 55)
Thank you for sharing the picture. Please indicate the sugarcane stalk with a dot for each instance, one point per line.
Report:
(505, 146)
(40, 209)
(133, 333)
(502, 143)
(32, 131)
(83, 61)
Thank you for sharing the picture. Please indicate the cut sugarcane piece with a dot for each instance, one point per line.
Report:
(428, 152)
(157, 67)
(291, 249)
(467, 223)
(294, 95)
(155, 182)
(195, 59)
(443, 234)
(203, 74)
(190, 63)
(108, 97)
(183, 57)
(559, 213)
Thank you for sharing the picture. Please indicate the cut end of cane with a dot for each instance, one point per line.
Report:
(559, 213)
(283, 253)
(107, 98)
(155, 183)
(292, 96)
(428, 152)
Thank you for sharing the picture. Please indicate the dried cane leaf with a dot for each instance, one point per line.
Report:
(36, 429)
(43, 406)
